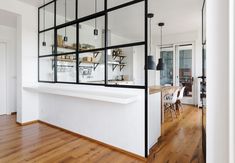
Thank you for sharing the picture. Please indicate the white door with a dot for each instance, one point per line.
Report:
(3, 80)
(184, 72)
(179, 69)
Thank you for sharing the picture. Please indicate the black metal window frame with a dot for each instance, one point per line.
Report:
(76, 22)
(93, 16)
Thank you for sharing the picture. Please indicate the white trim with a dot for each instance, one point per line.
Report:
(7, 42)
(231, 81)
(5, 77)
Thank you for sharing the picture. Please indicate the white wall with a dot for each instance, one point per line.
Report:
(218, 81)
(8, 35)
(232, 81)
(26, 56)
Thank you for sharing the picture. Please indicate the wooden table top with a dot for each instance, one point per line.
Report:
(155, 89)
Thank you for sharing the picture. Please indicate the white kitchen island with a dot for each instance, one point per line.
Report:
(114, 116)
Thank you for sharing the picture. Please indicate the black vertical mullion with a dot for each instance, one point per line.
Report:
(77, 54)
(77, 43)
(55, 45)
(38, 44)
(146, 79)
(106, 44)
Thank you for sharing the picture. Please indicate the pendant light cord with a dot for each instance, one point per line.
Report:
(44, 20)
(161, 39)
(95, 12)
(65, 20)
(150, 36)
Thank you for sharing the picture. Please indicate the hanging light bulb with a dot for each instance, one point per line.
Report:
(44, 27)
(96, 31)
(65, 29)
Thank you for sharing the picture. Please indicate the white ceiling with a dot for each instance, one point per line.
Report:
(179, 16)
(8, 19)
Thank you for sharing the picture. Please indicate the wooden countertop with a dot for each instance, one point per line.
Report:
(155, 89)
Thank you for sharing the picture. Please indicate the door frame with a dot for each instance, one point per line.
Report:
(178, 47)
(173, 47)
(6, 76)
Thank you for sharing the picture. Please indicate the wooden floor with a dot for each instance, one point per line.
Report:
(38, 142)
(41, 143)
(182, 139)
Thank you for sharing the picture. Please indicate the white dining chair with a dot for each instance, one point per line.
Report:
(170, 101)
(179, 98)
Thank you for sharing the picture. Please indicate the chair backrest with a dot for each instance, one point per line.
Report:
(175, 96)
(181, 95)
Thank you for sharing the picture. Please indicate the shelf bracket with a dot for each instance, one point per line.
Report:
(95, 54)
(121, 67)
(96, 65)
(114, 67)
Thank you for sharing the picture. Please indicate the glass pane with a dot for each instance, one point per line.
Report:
(66, 68)
(185, 71)
(91, 67)
(66, 39)
(126, 25)
(46, 15)
(113, 3)
(88, 7)
(167, 73)
(46, 43)
(91, 35)
(65, 11)
(126, 66)
(46, 69)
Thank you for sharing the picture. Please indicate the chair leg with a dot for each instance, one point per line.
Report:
(178, 107)
(171, 114)
(181, 107)
(174, 108)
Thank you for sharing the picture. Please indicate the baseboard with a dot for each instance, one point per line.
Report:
(155, 145)
(96, 141)
(27, 123)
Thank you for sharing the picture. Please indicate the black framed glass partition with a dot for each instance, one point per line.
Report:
(93, 42)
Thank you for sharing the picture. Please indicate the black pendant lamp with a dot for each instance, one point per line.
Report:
(96, 31)
(44, 25)
(151, 64)
(65, 20)
(160, 65)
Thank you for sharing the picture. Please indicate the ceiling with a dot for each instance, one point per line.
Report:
(179, 16)
(8, 19)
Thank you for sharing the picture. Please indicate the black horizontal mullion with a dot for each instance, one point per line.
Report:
(44, 56)
(66, 53)
(126, 45)
(92, 84)
(43, 81)
(91, 50)
(60, 82)
(124, 5)
(47, 4)
(125, 86)
(46, 30)
(83, 19)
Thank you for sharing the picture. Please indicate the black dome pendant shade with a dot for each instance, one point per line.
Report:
(151, 63)
(160, 65)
